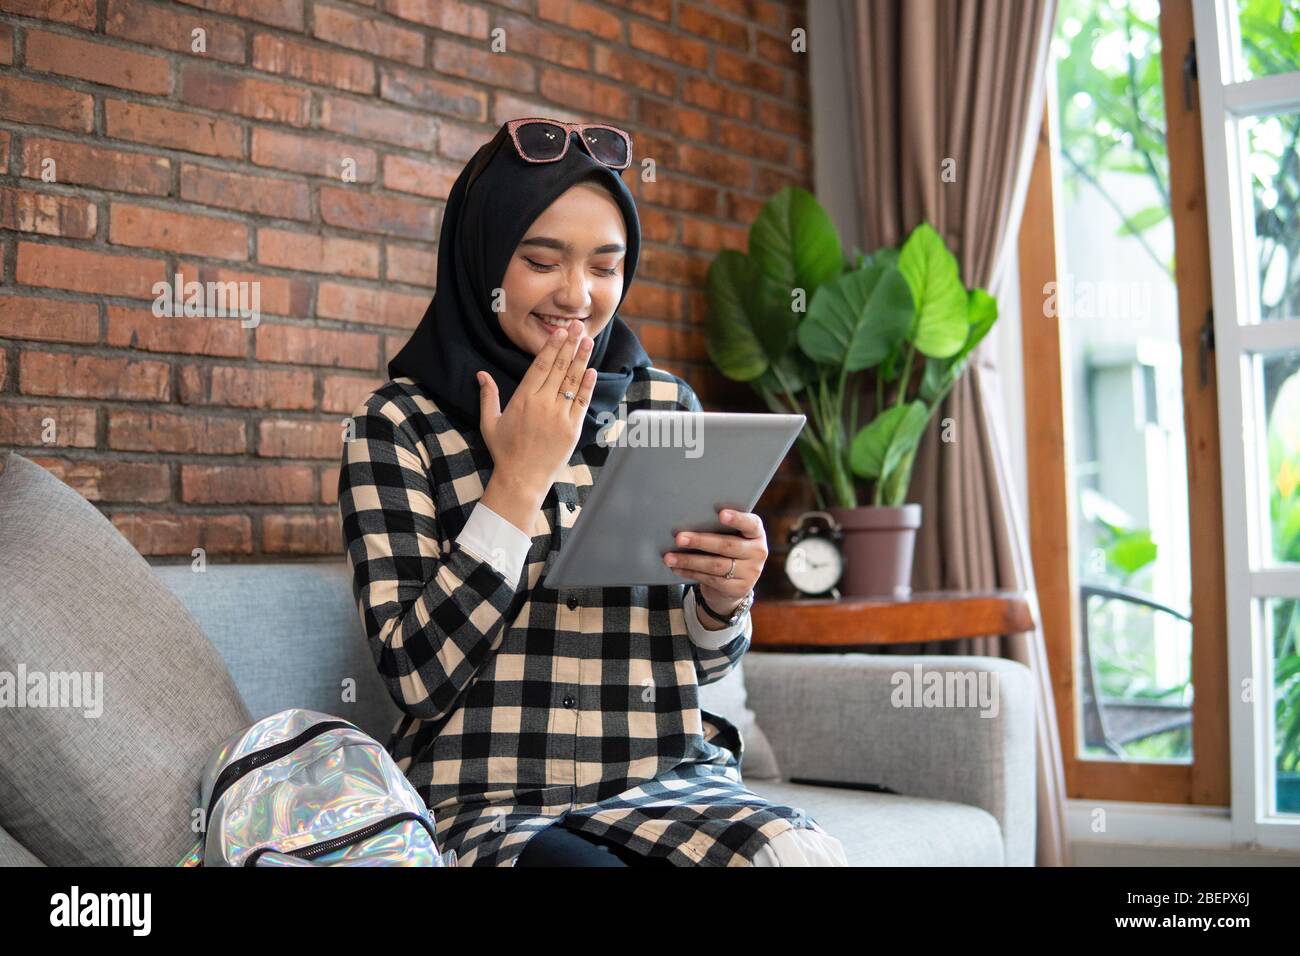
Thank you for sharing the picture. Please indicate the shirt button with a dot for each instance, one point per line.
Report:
(571, 506)
(569, 701)
(573, 601)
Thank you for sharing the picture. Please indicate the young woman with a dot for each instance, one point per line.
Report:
(542, 726)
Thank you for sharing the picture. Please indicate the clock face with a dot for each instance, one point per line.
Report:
(814, 565)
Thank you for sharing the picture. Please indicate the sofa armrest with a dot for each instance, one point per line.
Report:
(887, 720)
(13, 853)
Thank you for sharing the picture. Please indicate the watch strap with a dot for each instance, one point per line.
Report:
(734, 616)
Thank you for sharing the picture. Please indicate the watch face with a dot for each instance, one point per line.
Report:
(814, 565)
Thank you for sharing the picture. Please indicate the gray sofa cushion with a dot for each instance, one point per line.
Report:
(884, 829)
(13, 853)
(117, 788)
(291, 636)
(837, 717)
(726, 696)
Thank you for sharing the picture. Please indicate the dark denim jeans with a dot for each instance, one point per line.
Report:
(559, 846)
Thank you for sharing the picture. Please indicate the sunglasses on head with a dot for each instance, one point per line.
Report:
(539, 140)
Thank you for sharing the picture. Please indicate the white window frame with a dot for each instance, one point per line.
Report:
(1227, 99)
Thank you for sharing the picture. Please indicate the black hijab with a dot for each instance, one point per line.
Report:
(460, 334)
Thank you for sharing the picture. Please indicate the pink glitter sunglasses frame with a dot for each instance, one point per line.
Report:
(512, 127)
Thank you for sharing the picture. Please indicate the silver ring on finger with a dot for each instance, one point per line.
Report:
(568, 395)
(731, 573)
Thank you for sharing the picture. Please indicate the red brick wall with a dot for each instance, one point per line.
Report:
(226, 165)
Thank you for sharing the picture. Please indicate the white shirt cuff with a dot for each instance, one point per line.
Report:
(701, 635)
(493, 539)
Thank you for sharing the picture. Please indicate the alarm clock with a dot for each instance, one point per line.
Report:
(815, 562)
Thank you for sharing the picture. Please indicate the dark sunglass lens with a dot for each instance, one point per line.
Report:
(606, 145)
(541, 140)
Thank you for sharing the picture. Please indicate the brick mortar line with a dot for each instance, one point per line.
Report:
(314, 184)
(250, 125)
(313, 228)
(313, 322)
(223, 413)
(176, 360)
(99, 135)
(278, 272)
(173, 360)
(255, 558)
(119, 456)
(104, 349)
(430, 32)
(177, 59)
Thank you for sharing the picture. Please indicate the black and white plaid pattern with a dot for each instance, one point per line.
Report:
(523, 705)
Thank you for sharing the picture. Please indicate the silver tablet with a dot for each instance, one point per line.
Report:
(667, 472)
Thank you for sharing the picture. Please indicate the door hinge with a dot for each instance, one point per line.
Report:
(1189, 74)
(1206, 346)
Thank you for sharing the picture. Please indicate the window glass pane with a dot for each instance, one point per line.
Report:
(1279, 384)
(1272, 149)
(1123, 371)
(1270, 37)
(1136, 674)
(1281, 625)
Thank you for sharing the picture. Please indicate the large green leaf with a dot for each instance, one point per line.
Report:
(982, 312)
(889, 368)
(731, 339)
(941, 325)
(750, 323)
(797, 372)
(1144, 219)
(813, 461)
(936, 378)
(879, 448)
(894, 483)
(794, 242)
(858, 319)
(771, 310)
(1132, 551)
(752, 319)
(884, 256)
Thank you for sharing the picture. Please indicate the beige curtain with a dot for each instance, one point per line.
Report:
(959, 84)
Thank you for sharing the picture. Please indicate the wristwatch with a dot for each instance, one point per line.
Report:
(736, 615)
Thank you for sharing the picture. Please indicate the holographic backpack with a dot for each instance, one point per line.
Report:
(302, 788)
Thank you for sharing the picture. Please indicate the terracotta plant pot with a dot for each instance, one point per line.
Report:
(878, 546)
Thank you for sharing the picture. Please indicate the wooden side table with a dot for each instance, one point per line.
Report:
(828, 625)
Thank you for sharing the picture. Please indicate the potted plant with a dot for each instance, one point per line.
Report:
(808, 330)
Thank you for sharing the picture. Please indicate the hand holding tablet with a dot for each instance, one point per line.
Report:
(727, 566)
(670, 472)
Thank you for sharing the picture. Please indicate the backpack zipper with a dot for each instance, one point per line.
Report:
(248, 762)
(328, 846)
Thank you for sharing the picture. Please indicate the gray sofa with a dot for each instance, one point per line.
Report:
(289, 635)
